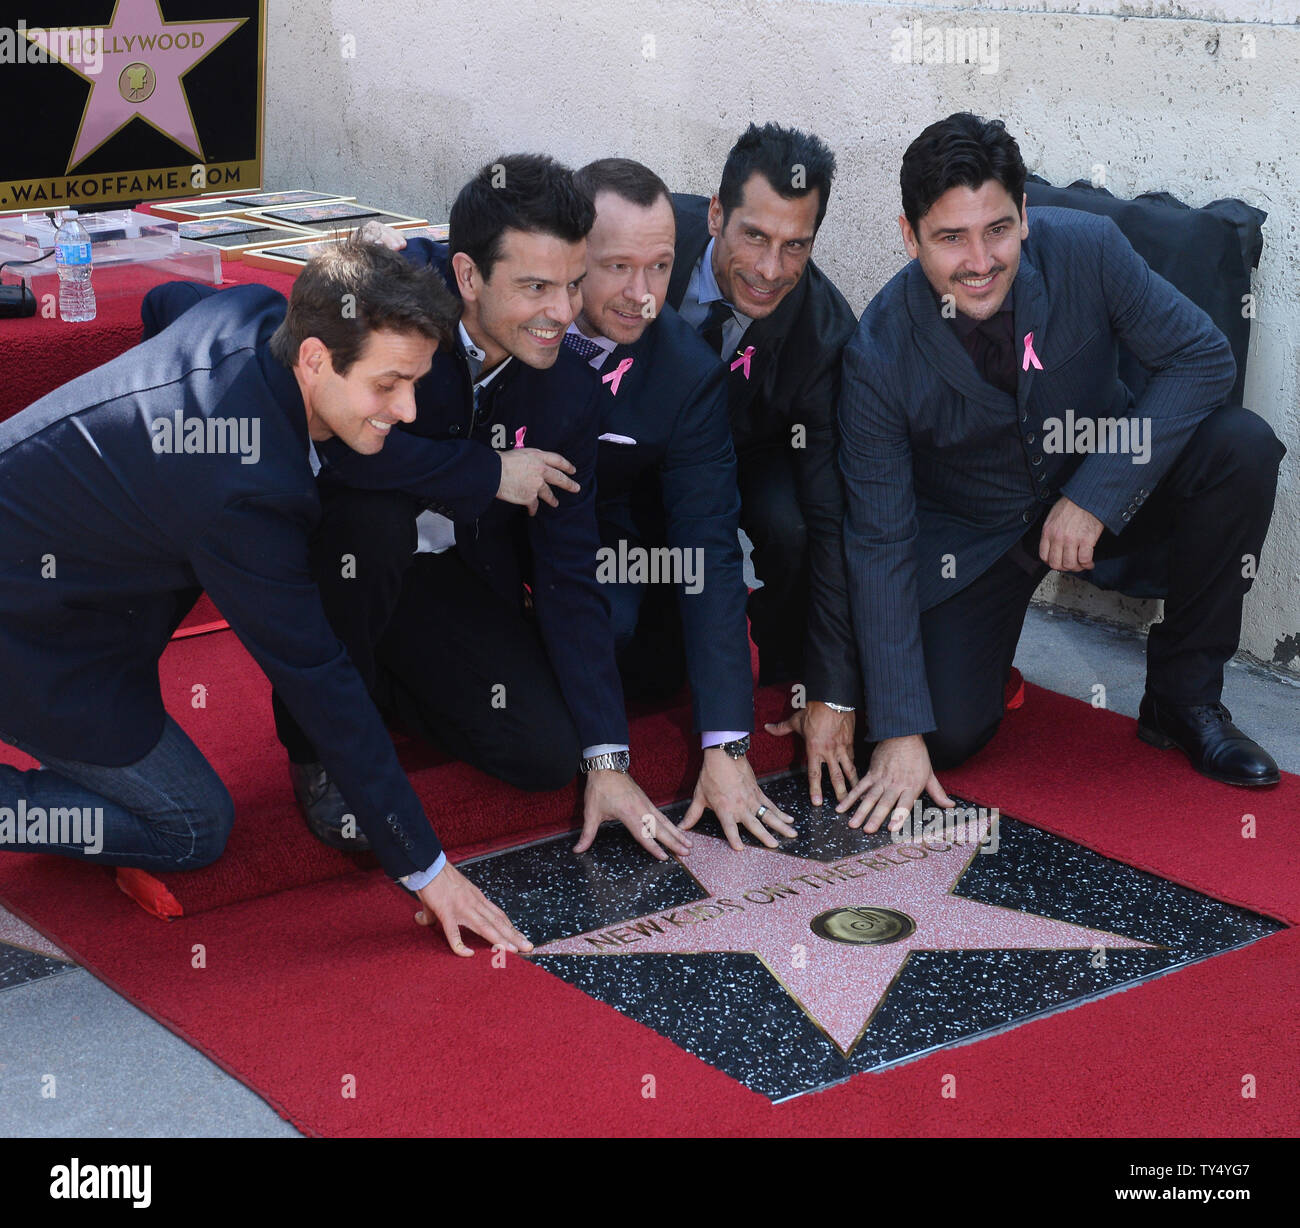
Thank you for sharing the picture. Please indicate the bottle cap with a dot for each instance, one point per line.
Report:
(67, 213)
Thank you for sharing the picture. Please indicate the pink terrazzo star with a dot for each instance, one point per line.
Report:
(132, 38)
(762, 901)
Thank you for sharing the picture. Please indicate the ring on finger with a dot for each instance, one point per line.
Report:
(760, 812)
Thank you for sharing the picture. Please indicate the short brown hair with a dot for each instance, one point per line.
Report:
(635, 183)
(355, 288)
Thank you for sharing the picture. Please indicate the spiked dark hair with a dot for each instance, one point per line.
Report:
(784, 157)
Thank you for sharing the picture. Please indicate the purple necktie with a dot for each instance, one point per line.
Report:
(584, 347)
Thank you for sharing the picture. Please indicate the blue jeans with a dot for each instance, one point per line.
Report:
(168, 811)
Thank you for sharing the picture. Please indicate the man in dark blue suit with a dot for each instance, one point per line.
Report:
(667, 501)
(489, 634)
(744, 277)
(987, 439)
(183, 465)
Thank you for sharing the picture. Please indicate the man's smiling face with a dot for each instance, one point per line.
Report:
(378, 391)
(533, 295)
(629, 261)
(762, 250)
(968, 245)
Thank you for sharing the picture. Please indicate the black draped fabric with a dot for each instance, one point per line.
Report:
(1205, 253)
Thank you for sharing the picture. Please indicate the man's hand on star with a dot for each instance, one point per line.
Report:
(828, 737)
(615, 795)
(453, 902)
(728, 787)
(1069, 535)
(900, 771)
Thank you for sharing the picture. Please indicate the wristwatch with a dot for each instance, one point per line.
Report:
(610, 761)
(737, 749)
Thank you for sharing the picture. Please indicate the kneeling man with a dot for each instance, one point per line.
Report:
(180, 466)
(961, 494)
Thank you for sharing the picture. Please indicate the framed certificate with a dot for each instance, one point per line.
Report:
(235, 235)
(341, 217)
(185, 210)
(287, 257)
(278, 200)
(437, 233)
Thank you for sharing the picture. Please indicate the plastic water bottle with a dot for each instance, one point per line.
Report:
(72, 256)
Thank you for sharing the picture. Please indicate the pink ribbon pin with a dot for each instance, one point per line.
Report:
(615, 377)
(1030, 356)
(743, 360)
(519, 436)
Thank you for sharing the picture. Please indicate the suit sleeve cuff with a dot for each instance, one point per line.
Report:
(422, 878)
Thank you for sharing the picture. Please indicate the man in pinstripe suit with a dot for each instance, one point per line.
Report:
(987, 440)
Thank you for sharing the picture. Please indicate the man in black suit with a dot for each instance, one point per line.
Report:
(183, 465)
(667, 502)
(745, 278)
(491, 639)
(987, 439)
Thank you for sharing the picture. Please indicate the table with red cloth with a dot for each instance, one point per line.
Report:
(37, 355)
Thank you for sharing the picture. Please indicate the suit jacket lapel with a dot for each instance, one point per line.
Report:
(1030, 315)
(937, 339)
(764, 336)
(622, 408)
(692, 239)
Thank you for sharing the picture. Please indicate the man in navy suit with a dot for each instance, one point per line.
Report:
(987, 439)
(744, 278)
(489, 634)
(667, 501)
(183, 465)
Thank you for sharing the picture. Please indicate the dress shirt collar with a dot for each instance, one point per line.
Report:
(709, 289)
(476, 357)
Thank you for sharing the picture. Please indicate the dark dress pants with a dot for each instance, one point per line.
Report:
(1208, 516)
(445, 657)
(773, 521)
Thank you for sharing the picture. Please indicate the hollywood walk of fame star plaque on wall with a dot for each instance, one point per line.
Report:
(110, 101)
(792, 969)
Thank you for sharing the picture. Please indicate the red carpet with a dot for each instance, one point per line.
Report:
(315, 972)
(37, 355)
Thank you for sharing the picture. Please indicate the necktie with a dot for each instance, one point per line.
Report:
(584, 347)
(711, 329)
(991, 347)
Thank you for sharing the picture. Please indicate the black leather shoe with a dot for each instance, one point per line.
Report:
(322, 806)
(1206, 734)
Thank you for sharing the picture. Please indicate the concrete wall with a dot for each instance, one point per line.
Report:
(400, 102)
